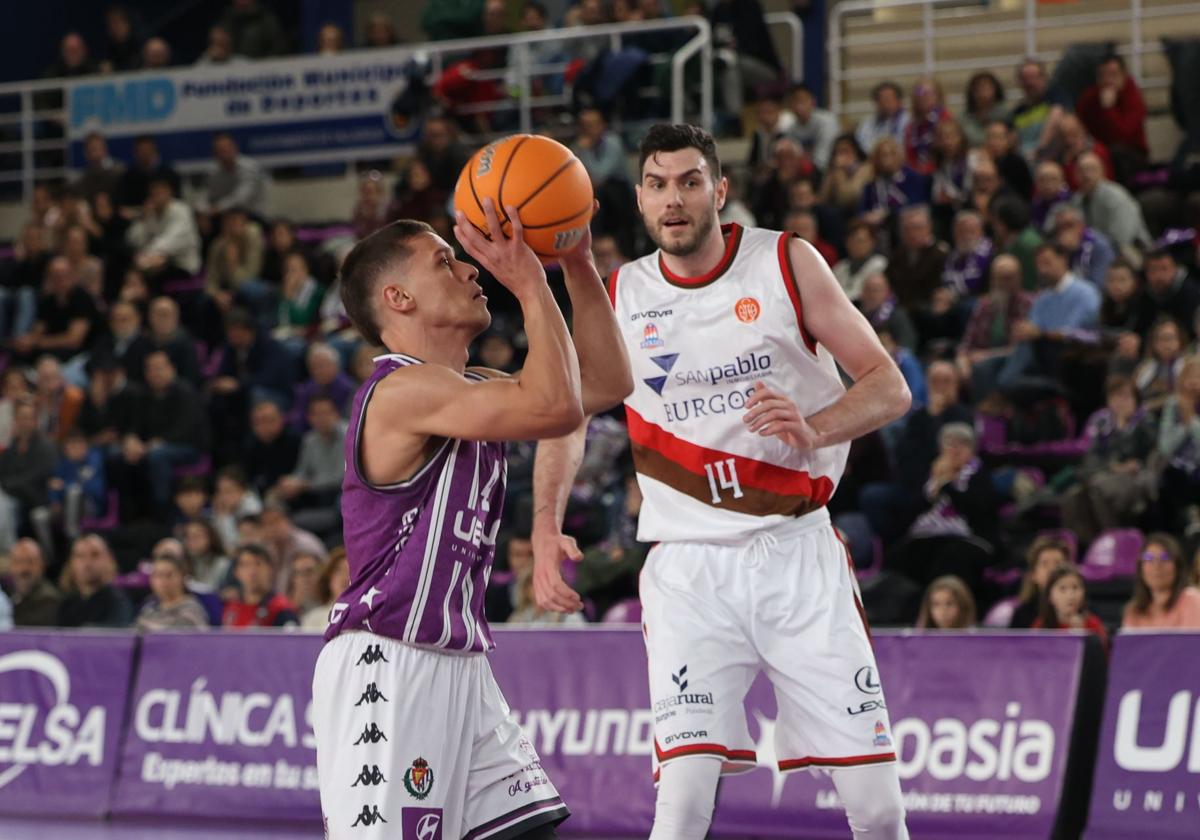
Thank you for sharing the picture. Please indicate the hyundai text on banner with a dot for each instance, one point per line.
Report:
(278, 109)
(62, 698)
(220, 725)
(1148, 770)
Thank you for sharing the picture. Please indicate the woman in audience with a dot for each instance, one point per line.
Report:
(895, 185)
(927, 112)
(371, 210)
(303, 588)
(172, 606)
(951, 175)
(862, 259)
(332, 582)
(14, 388)
(1163, 596)
(1156, 376)
(985, 103)
(299, 302)
(281, 241)
(948, 605)
(1045, 554)
(1064, 605)
(848, 174)
(206, 554)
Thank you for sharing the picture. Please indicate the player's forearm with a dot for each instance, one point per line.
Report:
(550, 377)
(873, 401)
(554, 471)
(605, 377)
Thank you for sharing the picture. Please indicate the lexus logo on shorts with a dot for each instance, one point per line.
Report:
(866, 681)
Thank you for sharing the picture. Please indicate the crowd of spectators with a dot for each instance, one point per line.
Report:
(177, 374)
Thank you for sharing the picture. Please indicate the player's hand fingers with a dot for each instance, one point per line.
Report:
(767, 405)
(760, 393)
(552, 593)
(514, 219)
(775, 415)
(493, 221)
(570, 549)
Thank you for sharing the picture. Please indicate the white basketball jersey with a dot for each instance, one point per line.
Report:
(697, 346)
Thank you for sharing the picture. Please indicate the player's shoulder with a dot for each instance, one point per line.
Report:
(479, 373)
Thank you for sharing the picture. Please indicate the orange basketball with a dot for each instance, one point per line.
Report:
(541, 178)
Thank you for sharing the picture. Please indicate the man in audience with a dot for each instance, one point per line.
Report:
(114, 405)
(815, 128)
(101, 174)
(26, 468)
(233, 180)
(1115, 114)
(987, 340)
(124, 340)
(273, 448)
(73, 59)
(171, 432)
(21, 281)
(1000, 142)
(235, 261)
(220, 49)
(440, 151)
(156, 54)
(166, 334)
(326, 380)
(915, 267)
(1108, 206)
(259, 605)
(1170, 291)
(90, 599)
(889, 120)
(1090, 250)
(880, 307)
(66, 316)
(1013, 234)
(35, 600)
(313, 488)
(1036, 116)
(285, 541)
(255, 31)
(165, 240)
(1066, 306)
(148, 165)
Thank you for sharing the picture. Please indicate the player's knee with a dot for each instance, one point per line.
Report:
(687, 792)
(882, 819)
(874, 805)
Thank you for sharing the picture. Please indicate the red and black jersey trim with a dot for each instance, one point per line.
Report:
(612, 287)
(844, 761)
(550, 811)
(793, 290)
(733, 240)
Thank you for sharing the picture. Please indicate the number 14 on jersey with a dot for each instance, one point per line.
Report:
(722, 475)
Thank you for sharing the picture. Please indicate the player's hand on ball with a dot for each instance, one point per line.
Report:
(550, 591)
(580, 256)
(508, 258)
(770, 413)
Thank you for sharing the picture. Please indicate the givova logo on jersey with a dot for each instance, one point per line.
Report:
(65, 735)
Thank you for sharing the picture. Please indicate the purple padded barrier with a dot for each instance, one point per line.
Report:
(1113, 554)
(628, 611)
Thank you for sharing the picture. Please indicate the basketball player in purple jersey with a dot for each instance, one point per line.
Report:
(413, 734)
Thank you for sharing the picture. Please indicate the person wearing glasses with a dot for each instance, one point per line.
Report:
(1162, 594)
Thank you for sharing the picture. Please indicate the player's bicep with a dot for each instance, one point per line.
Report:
(829, 316)
(438, 402)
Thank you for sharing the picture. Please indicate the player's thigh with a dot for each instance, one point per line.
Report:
(508, 792)
(701, 663)
(817, 652)
(389, 725)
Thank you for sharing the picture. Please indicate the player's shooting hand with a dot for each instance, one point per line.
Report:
(550, 591)
(509, 259)
(769, 412)
(579, 258)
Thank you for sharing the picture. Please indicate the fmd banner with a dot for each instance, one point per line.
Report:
(281, 111)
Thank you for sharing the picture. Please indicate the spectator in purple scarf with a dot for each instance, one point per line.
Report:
(1091, 252)
(878, 303)
(894, 187)
(325, 379)
(927, 112)
(1049, 191)
(967, 266)
(988, 339)
(951, 176)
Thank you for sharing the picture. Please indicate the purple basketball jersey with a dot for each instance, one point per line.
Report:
(420, 551)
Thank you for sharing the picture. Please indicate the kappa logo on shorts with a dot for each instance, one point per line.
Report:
(368, 817)
(418, 779)
(371, 734)
(679, 681)
(371, 694)
(866, 681)
(370, 777)
(373, 654)
(421, 824)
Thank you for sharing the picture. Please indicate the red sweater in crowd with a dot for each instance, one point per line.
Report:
(271, 611)
(1123, 124)
(1090, 623)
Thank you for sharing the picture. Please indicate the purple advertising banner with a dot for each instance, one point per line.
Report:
(1148, 769)
(982, 723)
(220, 726)
(62, 699)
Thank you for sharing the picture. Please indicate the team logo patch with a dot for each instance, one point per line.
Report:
(418, 779)
(747, 310)
(650, 337)
(881, 736)
(421, 824)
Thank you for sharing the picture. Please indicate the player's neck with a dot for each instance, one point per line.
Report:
(701, 261)
(446, 347)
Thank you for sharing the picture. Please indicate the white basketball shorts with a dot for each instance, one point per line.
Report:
(786, 603)
(416, 744)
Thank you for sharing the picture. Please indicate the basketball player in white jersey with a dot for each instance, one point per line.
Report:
(740, 426)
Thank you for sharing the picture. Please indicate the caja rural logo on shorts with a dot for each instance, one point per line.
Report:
(418, 779)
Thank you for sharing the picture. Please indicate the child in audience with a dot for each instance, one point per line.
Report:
(1064, 605)
(948, 605)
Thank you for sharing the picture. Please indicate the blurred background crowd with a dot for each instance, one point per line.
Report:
(177, 367)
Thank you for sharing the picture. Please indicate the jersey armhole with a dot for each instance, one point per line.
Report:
(612, 287)
(793, 291)
(357, 465)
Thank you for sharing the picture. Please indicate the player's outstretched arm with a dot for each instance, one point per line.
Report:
(604, 372)
(879, 394)
(542, 402)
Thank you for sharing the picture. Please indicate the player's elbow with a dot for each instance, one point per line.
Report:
(601, 396)
(557, 420)
(901, 396)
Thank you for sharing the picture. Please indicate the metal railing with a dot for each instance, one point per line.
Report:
(952, 19)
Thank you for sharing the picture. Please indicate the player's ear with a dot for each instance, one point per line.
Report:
(721, 191)
(637, 188)
(398, 298)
